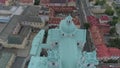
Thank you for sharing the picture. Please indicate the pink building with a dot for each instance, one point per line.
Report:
(26, 2)
(97, 31)
(104, 19)
(56, 2)
(2, 1)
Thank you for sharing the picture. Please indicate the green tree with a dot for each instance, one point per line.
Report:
(112, 31)
(114, 43)
(113, 22)
(37, 2)
(86, 25)
(100, 2)
(115, 18)
(109, 11)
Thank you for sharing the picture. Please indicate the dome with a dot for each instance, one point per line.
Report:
(67, 25)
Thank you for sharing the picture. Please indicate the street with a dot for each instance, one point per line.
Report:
(83, 12)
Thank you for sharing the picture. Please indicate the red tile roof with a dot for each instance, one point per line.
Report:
(104, 18)
(26, 1)
(102, 50)
(2, 1)
(63, 8)
(71, 0)
(56, 20)
(114, 51)
(92, 20)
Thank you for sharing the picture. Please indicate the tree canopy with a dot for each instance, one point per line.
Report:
(36, 2)
(114, 43)
(100, 2)
(86, 25)
(109, 11)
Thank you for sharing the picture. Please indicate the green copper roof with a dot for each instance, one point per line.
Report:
(38, 62)
(36, 42)
(64, 47)
(68, 52)
(67, 25)
(4, 59)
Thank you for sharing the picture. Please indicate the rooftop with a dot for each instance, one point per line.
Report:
(103, 52)
(8, 29)
(59, 43)
(13, 22)
(18, 39)
(26, 1)
(34, 10)
(18, 62)
(104, 18)
(26, 18)
(2, 1)
(58, 1)
(4, 59)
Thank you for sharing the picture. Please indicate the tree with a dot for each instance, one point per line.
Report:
(100, 2)
(115, 17)
(36, 2)
(109, 11)
(87, 25)
(113, 22)
(114, 43)
(112, 31)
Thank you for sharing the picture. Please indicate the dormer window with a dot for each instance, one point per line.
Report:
(56, 43)
(63, 34)
(53, 63)
(68, 21)
(78, 43)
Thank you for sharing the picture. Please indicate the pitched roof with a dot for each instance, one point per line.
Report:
(114, 51)
(92, 19)
(63, 8)
(2, 1)
(26, 1)
(56, 20)
(104, 17)
(58, 1)
(102, 51)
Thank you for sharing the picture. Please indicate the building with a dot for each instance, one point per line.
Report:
(71, 2)
(101, 23)
(7, 12)
(2, 1)
(5, 2)
(41, 11)
(6, 59)
(58, 2)
(33, 21)
(26, 2)
(55, 21)
(117, 3)
(63, 48)
(98, 9)
(14, 35)
(104, 19)
(104, 53)
(57, 13)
